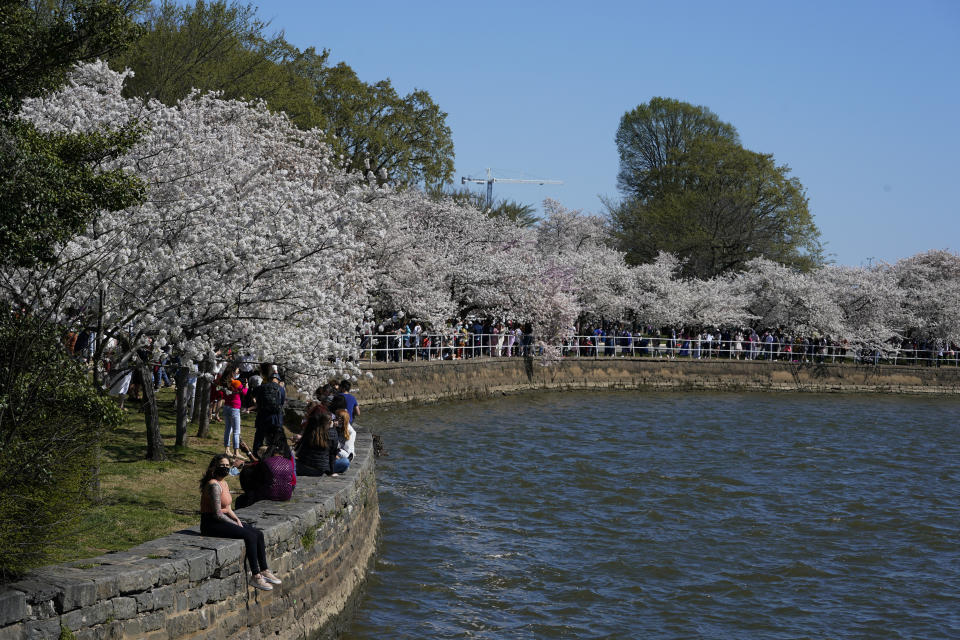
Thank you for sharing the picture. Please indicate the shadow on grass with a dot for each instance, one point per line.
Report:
(127, 444)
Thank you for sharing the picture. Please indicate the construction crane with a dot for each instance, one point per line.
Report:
(489, 180)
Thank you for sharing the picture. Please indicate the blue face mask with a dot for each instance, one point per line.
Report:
(234, 471)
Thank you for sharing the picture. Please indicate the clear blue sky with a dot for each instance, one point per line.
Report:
(860, 99)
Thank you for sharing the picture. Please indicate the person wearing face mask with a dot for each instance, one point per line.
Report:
(218, 520)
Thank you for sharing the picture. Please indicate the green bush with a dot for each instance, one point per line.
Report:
(52, 421)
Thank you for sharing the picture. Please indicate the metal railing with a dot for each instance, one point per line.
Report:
(463, 346)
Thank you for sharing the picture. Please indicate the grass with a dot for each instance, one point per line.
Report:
(143, 500)
(308, 539)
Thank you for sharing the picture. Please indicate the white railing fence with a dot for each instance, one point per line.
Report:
(440, 346)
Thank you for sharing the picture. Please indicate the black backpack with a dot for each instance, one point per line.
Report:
(269, 400)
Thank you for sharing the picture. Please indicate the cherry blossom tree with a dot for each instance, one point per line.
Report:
(424, 254)
(780, 296)
(248, 236)
(871, 302)
(581, 244)
(716, 302)
(931, 285)
(657, 292)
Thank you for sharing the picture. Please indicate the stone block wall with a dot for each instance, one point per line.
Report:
(321, 544)
(395, 383)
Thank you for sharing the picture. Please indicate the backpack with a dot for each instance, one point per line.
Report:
(269, 400)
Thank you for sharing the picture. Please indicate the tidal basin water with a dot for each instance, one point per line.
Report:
(668, 515)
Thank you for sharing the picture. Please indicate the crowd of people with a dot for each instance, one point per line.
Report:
(464, 340)
(268, 471)
(408, 341)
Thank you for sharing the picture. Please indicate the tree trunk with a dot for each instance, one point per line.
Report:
(203, 400)
(155, 450)
(98, 345)
(96, 496)
(182, 418)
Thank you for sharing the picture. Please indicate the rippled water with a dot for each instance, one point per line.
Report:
(638, 515)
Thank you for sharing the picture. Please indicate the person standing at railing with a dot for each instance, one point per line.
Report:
(477, 331)
(366, 339)
(407, 342)
(397, 344)
(526, 339)
(501, 339)
(415, 339)
(511, 339)
(754, 341)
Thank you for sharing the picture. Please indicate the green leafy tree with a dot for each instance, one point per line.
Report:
(653, 135)
(50, 187)
(52, 422)
(692, 190)
(42, 39)
(524, 215)
(52, 419)
(221, 46)
(50, 184)
(400, 139)
(217, 46)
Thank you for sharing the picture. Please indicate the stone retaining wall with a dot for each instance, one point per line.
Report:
(185, 585)
(395, 383)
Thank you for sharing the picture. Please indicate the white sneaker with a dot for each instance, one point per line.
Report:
(269, 577)
(260, 583)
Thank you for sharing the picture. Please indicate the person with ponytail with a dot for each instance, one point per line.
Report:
(346, 435)
(233, 390)
(218, 520)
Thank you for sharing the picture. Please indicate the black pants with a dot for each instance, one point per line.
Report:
(266, 428)
(252, 537)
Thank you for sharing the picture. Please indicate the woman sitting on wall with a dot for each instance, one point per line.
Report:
(218, 520)
(346, 435)
(321, 397)
(271, 476)
(318, 446)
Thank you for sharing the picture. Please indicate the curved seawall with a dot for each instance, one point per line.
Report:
(185, 585)
(480, 377)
